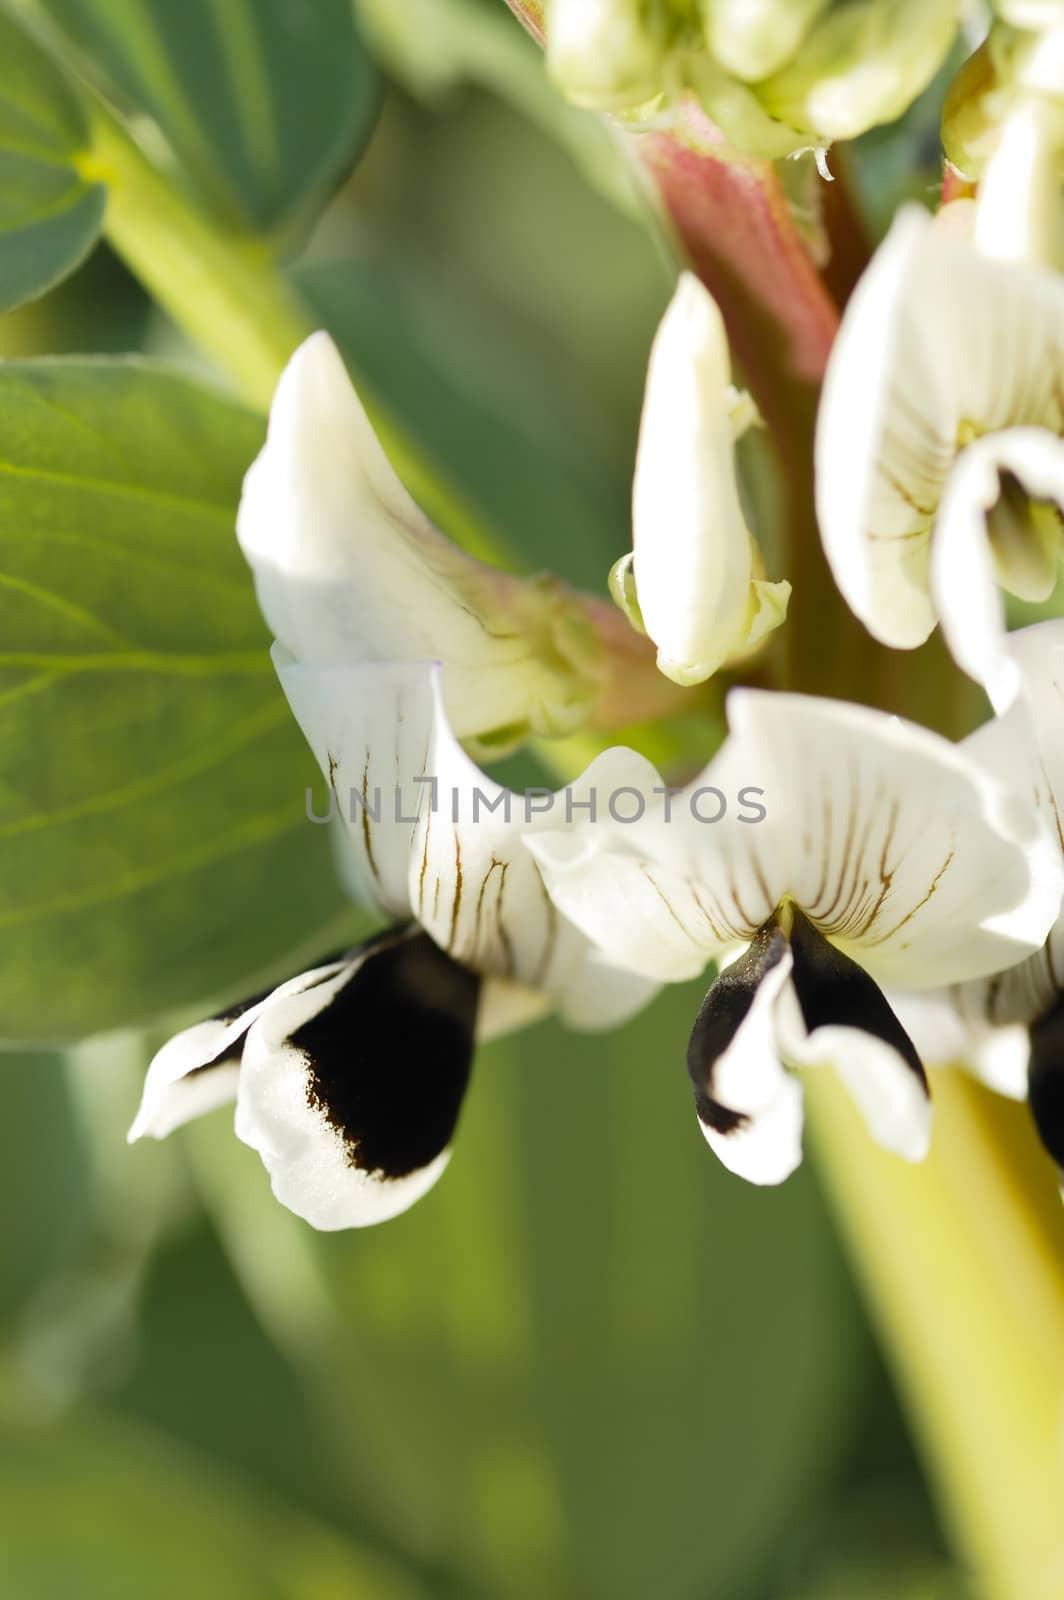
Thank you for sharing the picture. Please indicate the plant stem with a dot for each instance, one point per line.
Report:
(218, 285)
(963, 1262)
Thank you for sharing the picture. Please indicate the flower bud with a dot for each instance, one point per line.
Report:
(970, 115)
(735, 109)
(603, 54)
(862, 65)
(753, 38)
(692, 582)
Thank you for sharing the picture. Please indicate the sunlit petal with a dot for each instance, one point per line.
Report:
(694, 559)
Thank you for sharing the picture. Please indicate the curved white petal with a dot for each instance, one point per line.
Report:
(980, 543)
(886, 1091)
(197, 1070)
(899, 847)
(983, 1024)
(480, 894)
(765, 1144)
(436, 839)
(946, 1037)
(635, 889)
(1035, 723)
(694, 558)
(349, 1091)
(181, 1085)
(370, 727)
(938, 346)
(347, 568)
(1018, 210)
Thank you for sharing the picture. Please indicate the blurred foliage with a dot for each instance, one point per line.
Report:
(49, 214)
(591, 1363)
(263, 105)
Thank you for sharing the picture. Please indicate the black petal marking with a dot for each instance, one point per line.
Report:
(230, 1054)
(1045, 1080)
(389, 1059)
(723, 1010)
(834, 991)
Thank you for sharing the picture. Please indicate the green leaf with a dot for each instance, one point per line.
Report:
(153, 845)
(105, 1511)
(264, 102)
(49, 215)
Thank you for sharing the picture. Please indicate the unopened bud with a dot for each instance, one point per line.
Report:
(753, 38)
(603, 54)
(862, 65)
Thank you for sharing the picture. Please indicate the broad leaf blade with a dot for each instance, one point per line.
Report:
(153, 844)
(262, 101)
(49, 215)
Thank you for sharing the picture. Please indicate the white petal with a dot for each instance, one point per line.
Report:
(1018, 211)
(966, 567)
(1029, 739)
(886, 1091)
(347, 568)
(899, 847)
(749, 1079)
(946, 1038)
(370, 727)
(335, 1076)
(896, 844)
(693, 553)
(197, 1070)
(842, 1019)
(635, 889)
(938, 345)
(480, 894)
(171, 1096)
(983, 1024)
(447, 849)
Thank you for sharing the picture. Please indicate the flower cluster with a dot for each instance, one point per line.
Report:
(899, 901)
(775, 76)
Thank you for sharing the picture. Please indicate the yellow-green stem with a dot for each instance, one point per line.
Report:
(963, 1262)
(217, 284)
